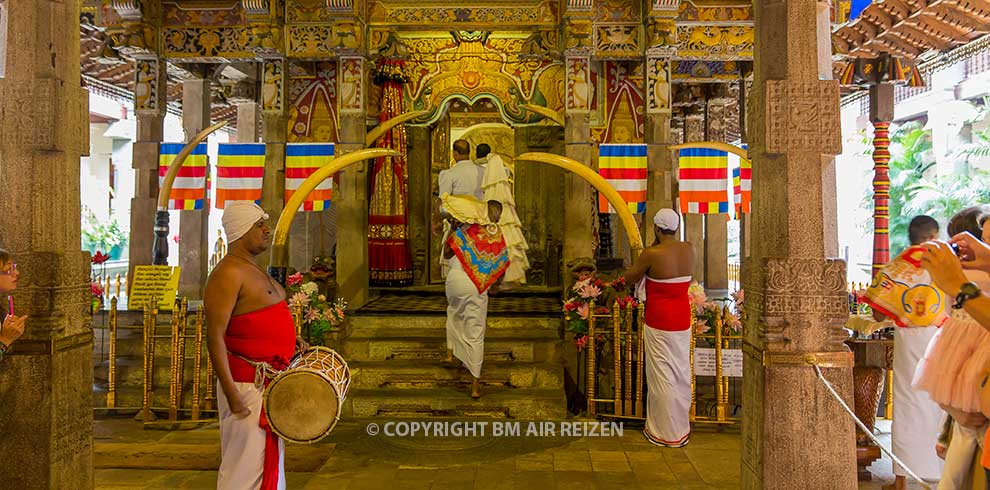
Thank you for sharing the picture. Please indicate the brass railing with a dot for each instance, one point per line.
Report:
(624, 328)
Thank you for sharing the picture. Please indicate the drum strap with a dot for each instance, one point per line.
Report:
(262, 370)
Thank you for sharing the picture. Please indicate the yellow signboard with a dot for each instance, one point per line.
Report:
(153, 281)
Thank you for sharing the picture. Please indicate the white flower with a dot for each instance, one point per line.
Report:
(309, 288)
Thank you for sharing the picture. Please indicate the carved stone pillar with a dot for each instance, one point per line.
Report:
(579, 202)
(795, 435)
(351, 200)
(149, 107)
(660, 190)
(274, 126)
(45, 380)
(194, 226)
(248, 122)
(694, 224)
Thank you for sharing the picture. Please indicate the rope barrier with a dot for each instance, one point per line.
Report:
(866, 431)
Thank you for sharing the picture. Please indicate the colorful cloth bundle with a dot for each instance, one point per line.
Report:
(482, 252)
(903, 291)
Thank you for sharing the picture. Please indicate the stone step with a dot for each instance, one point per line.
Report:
(528, 404)
(433, 348)
(373, 325)
(130, 371)
(419, 374)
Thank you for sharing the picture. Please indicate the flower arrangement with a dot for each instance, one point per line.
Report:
(577, 308)
(708, 311)
(319, 315)
(96, 290)
(857, 303)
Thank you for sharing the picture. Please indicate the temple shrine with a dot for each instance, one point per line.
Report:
(599, 109)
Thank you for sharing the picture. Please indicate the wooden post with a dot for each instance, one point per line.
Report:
(881, 113)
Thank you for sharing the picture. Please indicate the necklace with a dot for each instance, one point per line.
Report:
(271, 283)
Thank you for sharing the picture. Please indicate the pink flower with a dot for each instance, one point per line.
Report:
(581, 343)
(590, 291)
(738, 297)
(299, 299)
(733, 322)
(696, 294)
(175, 238)
(701, 326)
(96, 289)
(294, 279)
(582, 311)
(313, 314)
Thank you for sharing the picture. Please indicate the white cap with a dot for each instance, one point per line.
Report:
(667, 219)
(239, 217)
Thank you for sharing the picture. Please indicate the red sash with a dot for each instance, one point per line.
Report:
(265, 335)
(667, 305)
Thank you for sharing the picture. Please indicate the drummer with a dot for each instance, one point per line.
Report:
(249, 330)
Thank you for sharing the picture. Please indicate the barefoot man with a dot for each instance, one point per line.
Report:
(478, 258)
(249, 327)
(667, 266)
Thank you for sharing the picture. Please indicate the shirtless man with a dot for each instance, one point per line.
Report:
(248, 323)
(667, 266)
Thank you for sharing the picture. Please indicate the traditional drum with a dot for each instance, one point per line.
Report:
(303, 402)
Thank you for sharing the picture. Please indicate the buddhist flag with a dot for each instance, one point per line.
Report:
(742, 183)
(624, 167)
(240, 169)
(189, 186)
(301, 160)
(704, 181)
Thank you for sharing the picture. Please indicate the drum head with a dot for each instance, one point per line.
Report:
(301, 405)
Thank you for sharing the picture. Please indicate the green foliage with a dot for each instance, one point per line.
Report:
(913, 193)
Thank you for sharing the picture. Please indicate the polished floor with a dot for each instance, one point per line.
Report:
(129, 457)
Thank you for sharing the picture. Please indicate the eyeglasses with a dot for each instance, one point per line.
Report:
(10, 270)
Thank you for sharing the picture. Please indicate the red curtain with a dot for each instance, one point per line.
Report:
(389, 258)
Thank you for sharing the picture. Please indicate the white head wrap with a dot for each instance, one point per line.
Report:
(667, 219)
(239, 217)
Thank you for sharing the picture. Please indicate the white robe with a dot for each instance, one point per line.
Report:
(498, 186)
(242, 443)
(917, 418)
(467, 313)
(958, 471)
(668, 377)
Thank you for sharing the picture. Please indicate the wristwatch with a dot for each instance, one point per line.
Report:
(967, 292)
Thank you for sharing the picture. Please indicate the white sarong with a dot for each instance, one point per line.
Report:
(917, 418)
(668, 377)
(958, 471)
(467, 312)
(242, 443)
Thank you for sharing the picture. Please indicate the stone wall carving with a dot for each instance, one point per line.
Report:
(29, 105)
(544, 13)
(690, 12)
(147, 77)
(206, 43)
(351, 93)
(580, 90)
(802, 116)
(618, 40)
(273, 85)
(316, 41)
(658, 85)
(715, 42)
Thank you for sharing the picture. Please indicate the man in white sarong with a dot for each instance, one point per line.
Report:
(498, 186)
(914, 432)
(462, 179)
(666, 267)
(477, 256)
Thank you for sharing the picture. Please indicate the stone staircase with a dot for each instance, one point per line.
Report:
(397, 370)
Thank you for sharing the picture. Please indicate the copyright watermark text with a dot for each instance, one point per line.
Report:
(495, 428)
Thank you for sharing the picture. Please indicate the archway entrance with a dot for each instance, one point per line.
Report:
(538, 189)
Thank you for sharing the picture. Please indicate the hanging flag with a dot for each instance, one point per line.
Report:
(742, 183)
(301, 160)
(704, 181)
(624, 167)
(189, 186)
(240, 169)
